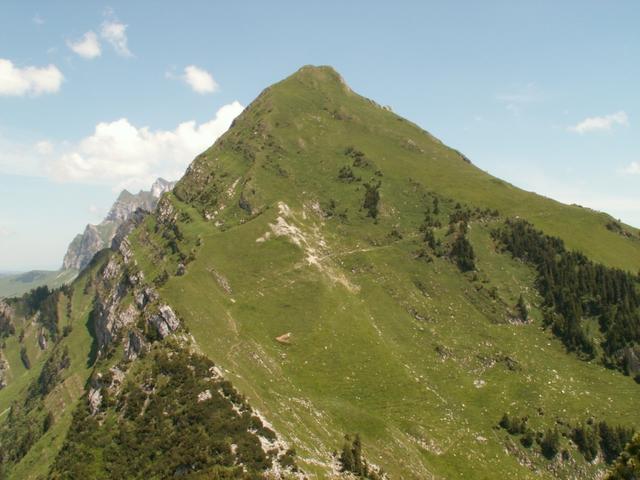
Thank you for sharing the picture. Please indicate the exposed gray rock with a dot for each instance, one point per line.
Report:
(4, 368)
(112, 383)
(42, 341)
(97, 237)
(166, 212)
(165, 321)
(109, 316)
(134, 345)
(145, 296)
(632, 359)
(5, 310)
(119, 241)
(6, 318)
(111, 270)
(204, 396)
(95, 399)
(136, 278)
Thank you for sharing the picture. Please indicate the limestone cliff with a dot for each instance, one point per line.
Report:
(96, 237)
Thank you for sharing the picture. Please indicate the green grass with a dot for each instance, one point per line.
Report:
(415, 356)
(62, 400)
(360, 360)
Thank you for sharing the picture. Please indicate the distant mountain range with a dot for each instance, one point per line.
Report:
(85, 245)
(96, 237)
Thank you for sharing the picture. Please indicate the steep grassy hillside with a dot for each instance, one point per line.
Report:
(28, 447)
(348, 273)
(332, 318)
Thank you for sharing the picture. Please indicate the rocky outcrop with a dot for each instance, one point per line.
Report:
(111, 315)
(124, 215)
(134, 345)
(165, 321)
(4, 368)
(110, 384)
(632, 360)
(123, 300)
(6, 319)
(125, 229)
(42, 340)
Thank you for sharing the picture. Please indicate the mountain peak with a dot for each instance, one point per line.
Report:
(319, 77)
(161, 186)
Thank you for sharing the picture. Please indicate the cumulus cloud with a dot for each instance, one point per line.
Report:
(87, 47)
(121, 154)
(633, 168)
(115, 32)
(199, 80)
(16, 81)
(604, 123)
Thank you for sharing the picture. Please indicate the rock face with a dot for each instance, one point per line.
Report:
(4, 368)
(165, 321)
(6, 319)
(86, 245)
(123, 216)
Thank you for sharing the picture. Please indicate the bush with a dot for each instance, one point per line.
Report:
(371, 199)
(550, 443)
(25, 358)
(462, 253)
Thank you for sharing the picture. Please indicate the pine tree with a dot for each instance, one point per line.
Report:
(462, 252)
(371, 199)
(347, 462)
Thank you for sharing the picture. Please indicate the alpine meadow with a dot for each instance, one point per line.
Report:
(331, 292)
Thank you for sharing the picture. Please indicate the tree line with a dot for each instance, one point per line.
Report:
(575, 288)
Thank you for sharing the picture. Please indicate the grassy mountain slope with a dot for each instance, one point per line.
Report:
(415, 356)
(74, 306)
(293, 254)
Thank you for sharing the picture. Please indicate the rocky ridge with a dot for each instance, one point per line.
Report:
(96, 237)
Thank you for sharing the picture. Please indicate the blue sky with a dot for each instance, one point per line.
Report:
(98, 96)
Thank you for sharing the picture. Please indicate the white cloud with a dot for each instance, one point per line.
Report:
(606, 122)
(199, 80)
(120, 154)
(115, 32)
(44, 147)
(16, 81)
(38, 20)
(633, 168)
(87, 47)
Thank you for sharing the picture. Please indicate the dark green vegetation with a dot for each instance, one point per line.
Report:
(590, 438)
(167, 417)
(575, 289)
(352, 460)
(342, 267)
(627, 467)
